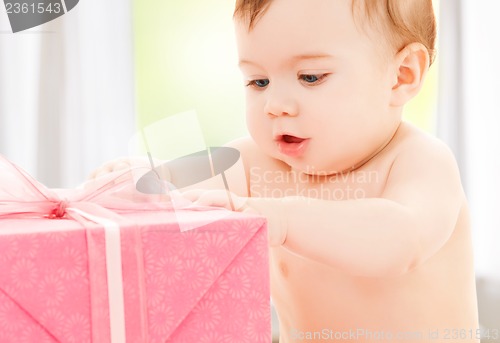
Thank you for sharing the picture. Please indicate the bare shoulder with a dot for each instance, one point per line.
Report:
(422, 160)
(420, 148)
(414, 139)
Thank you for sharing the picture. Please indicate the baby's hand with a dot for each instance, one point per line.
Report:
(119, 164)
(276, 223)
(119, 170)
(218, 198)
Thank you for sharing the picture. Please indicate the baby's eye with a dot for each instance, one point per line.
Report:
(313, 79)
(261, 83)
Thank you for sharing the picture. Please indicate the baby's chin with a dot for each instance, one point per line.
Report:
(314, 169)
(306, 164)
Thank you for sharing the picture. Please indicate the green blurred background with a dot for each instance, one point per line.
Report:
(185, 59)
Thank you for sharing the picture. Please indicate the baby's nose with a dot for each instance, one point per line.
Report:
(281, 103)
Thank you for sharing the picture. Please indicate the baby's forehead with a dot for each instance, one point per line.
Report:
(393, 19)
(303, 31)
(364, 13)
(250, 11)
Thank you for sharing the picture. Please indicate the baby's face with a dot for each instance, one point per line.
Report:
(318, 94)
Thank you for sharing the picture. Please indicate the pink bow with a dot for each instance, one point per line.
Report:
(21, 195)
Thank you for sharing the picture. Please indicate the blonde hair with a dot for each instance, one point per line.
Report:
(406, 21)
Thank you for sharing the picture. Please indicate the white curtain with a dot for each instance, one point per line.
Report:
(67, 91)
(470, 115)
(482, 126)
(469, 121)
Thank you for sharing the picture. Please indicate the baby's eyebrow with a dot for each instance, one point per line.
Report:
(294, 59)
(299, 58)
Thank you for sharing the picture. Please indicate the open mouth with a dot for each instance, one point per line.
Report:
(292, 139)
(292, 145)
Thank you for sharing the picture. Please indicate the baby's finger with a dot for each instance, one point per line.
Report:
(222, 198)
(213, 198)
(110, 167)
(96, 172)
(121, 165)
(193, 194)
(249, 210)
(102, 172)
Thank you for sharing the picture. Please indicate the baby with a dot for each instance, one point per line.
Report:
(367, 216)
(368, 223)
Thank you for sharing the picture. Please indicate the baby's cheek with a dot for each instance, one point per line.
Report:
(258, 131)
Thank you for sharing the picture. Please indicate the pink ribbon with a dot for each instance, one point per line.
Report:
(23, 196)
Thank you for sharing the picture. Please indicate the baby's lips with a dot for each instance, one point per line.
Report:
(292, 146)
(293, 139)
(288, 138)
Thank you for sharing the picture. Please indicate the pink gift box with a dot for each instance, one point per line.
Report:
(208, 284)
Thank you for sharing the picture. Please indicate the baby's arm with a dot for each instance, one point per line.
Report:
(376, 236)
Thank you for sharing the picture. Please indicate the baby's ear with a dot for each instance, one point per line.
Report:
(411, 64)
